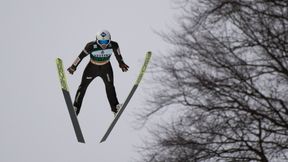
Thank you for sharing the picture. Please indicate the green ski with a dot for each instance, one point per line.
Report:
(144, 67)
(67, 97)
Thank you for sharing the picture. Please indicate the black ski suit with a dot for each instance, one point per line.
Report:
(97, 54)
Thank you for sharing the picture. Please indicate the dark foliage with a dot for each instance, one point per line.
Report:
(228, 80)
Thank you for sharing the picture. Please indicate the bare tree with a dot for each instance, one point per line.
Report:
(228, 80)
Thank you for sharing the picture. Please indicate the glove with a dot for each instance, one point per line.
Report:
(123, 66)
(71, 69)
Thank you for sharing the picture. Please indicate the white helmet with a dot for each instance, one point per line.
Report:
(103, 37)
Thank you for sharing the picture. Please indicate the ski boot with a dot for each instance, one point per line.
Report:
(118, 107)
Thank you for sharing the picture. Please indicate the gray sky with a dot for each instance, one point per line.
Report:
(34, 121)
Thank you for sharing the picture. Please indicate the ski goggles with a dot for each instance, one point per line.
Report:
(103, 42)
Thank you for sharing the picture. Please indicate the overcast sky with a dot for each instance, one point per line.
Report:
(34, 122)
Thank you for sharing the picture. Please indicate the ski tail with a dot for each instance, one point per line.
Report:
(138, 80)
(67, 97)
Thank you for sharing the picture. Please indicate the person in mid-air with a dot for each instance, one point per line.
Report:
(100, 52)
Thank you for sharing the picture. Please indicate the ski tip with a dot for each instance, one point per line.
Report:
(148, 55)
(58, 60)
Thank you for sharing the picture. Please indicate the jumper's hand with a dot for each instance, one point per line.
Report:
(71, 69)
(123, 66)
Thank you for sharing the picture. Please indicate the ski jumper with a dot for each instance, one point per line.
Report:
(92, 70)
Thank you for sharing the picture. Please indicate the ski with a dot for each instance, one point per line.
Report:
(67, 97)
(140, 76)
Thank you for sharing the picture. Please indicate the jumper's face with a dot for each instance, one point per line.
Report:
(103, 39)
(103, 43)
